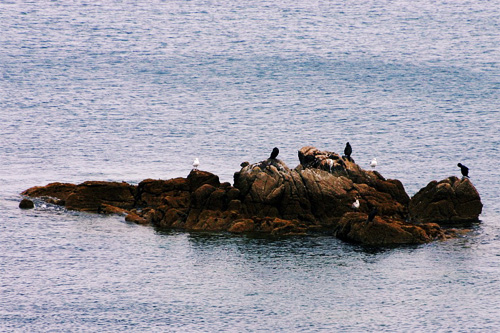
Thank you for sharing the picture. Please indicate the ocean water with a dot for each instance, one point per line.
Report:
(128, 90)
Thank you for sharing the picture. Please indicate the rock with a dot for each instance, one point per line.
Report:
(319, 191)
(269, 197)
(384, 231)
(197, 178)
(53, 190)
(108, 209)
(451, 200)
(92, 195)
(26, 204)
(132, 217)
(151, 193)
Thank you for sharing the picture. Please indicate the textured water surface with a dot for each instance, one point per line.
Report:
(124, 91)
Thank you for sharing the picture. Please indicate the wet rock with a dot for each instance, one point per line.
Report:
(152, 193)
(134, 218)
(383, 231)
(53, 190)
(26, 204)
(92, 195)
(451, 200)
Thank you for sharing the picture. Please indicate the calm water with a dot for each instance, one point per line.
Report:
(128, 91)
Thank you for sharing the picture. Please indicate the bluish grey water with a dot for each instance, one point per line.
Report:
(133, 90)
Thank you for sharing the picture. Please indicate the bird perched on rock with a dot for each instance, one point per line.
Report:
(275, 153)
(464, 170)
(372, 214)
(355, 205)
(373, 163)
(196, 163)
(348, 151)
(330, 164)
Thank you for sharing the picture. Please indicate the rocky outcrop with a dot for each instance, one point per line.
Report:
(55, 193)
(91, 196)
(451, 200)
(268, 197)
(384, 231)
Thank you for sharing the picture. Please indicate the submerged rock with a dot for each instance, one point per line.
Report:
(451, 200)
(26, 204)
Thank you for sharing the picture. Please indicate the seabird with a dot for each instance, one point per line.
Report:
(355, 204)
(464, 169)
(275, 153)
(348, 151)
(372, 214)
(373, 163)
(329, 161)
(196, 163)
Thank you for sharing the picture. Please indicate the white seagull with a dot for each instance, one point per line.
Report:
(196, 163)
(330, 163)
(355, 204)
(373, 163)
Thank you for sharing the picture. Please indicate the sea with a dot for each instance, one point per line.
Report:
(129, 90)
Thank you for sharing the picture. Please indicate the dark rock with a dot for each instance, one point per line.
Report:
(90, 196)
(451, 200)
(197, 178)
(151, 193)
(384, 231)
(26, 204)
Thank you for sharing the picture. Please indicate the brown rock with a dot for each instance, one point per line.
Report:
(54, 190)
(90, 196)
(197, 178)
(108, 209)
(451, 200)
(151, 193)
(135, 219)
(384, 231)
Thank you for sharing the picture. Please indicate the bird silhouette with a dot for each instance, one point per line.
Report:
(464, 170)
(275, 153)
(372, 214)
(348, 151)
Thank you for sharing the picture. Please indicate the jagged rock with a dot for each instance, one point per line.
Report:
(385, 231)
(319, 191)
(451, 200)
(26, 204)
(90, 196)
(152, 193)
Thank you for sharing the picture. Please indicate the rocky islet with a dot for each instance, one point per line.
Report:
(268, 197)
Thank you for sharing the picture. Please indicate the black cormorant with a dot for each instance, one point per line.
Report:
(275, 153)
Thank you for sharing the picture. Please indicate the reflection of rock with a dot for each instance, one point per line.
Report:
(268, 197)
(450, 200)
